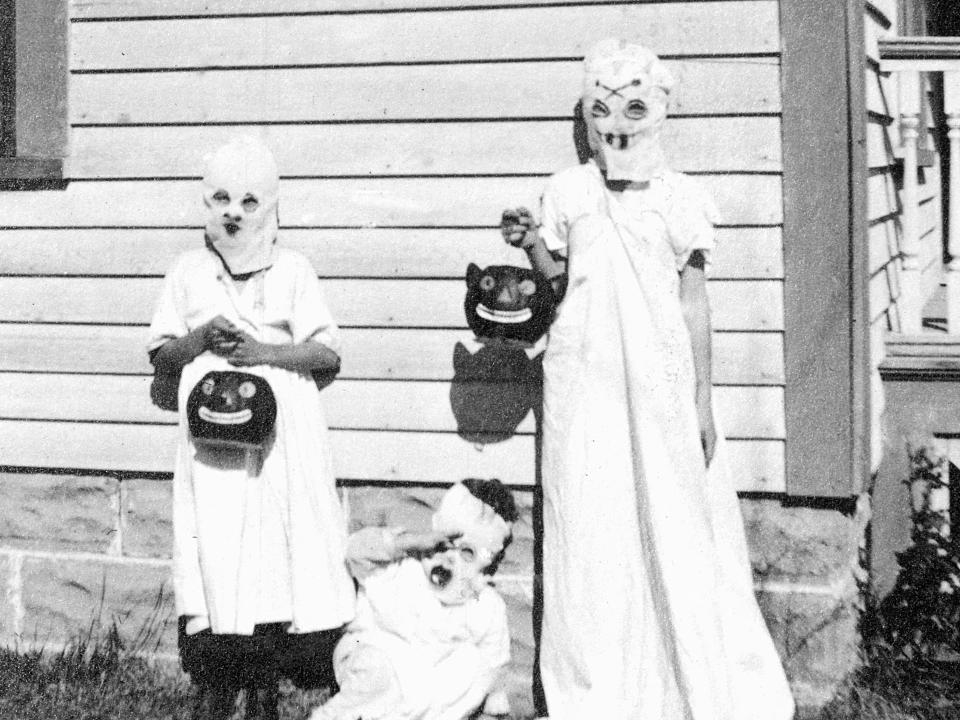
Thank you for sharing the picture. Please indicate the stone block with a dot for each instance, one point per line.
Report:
(818, 639)
(63, 598)
(9, 601)
(799, 544)
(58, 512)
(392, 506)
(147, 516)
(518, 677)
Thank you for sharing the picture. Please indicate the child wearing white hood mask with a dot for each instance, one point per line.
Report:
(430, 636)
(648, 604)
(259, 577)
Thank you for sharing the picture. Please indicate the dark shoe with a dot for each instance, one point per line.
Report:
(262, 702)
(214, 703)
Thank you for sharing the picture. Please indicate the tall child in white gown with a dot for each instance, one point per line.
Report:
(649, 609)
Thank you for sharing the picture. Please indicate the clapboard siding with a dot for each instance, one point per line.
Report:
(752, 412)
(358, 455)
(449, 148)
(741, 252)
(739, 358)
(881, 93)
(97, 10)
(345, 202)
(737, 305)
(715, 86)
(402, 130)
(440, 35)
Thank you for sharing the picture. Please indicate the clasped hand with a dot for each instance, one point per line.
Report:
(225, 339)
(708, 430)
(518, 228)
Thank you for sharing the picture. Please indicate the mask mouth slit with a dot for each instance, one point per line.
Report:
(225, 418)
(505, 317)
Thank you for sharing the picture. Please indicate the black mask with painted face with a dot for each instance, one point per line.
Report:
(508, 302)
(231, 409)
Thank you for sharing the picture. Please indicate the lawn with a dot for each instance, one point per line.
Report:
(101, 681)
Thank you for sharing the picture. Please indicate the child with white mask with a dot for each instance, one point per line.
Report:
(260, 583)
(648, 604)
(430, 636)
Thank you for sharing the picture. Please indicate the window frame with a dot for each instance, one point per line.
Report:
(34, 124)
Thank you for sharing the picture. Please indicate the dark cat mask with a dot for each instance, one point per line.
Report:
(232, 409)
(508, 302)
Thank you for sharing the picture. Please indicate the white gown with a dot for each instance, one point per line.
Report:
(649, 610)
(257, 539)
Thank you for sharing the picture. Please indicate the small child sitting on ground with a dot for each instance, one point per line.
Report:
(430, 634)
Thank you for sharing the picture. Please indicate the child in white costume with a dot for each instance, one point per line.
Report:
(430, 635)
(259, 536)
(649, 609)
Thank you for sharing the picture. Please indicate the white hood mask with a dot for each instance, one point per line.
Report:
(240, 191)
(625, 96)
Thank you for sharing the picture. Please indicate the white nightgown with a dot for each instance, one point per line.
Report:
(257, 539)
(649, 609)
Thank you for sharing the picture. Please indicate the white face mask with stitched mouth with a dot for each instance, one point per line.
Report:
(625, 99)
(240, 191)
(457, 574)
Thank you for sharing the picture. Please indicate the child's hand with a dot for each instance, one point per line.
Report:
(410, 543)
(708, 431)
(518, 228)
(250, 351)
(220, 336)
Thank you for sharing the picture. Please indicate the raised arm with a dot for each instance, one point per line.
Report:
(696, 314)
(520, 230)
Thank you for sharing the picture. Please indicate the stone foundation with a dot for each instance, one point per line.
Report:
(76, 550)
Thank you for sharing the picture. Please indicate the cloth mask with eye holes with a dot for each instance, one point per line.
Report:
(232, 409)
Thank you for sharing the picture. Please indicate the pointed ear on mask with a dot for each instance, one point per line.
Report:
(473, 272)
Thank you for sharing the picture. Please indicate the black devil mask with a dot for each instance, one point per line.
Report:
(508, 302)
(231, 409)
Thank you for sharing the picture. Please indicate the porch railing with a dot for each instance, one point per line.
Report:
(909, 59)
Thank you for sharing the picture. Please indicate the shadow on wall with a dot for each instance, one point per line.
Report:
(493, 390)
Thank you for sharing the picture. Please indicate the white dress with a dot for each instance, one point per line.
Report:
(649, 609)
(257, 539)
(407, 656)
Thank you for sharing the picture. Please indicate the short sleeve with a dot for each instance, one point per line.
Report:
(311, 318)
(554, 222)
(691, 217)
(168, 320)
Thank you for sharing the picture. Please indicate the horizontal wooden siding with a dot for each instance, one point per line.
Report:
(402, 128)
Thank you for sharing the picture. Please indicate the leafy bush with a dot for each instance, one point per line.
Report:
(920, 618)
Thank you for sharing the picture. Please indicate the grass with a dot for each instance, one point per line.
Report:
(100, 676)
(100, 680)
(899, 690)
(103, 682)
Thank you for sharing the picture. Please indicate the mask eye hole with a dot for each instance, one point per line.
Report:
(599, 109)
(250, 203)
(527, 287)
(487, 282)
(247, 389)
(467, 553)
(221, 197)
(636, 110)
